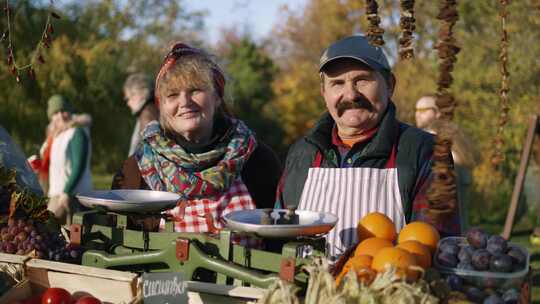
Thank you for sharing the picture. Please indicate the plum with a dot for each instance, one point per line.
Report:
(500, 263)
(475, 295)
(449, 248)
(465, 253)
(477, 238)
(465, 266)
(517, 256)
(455, 282)
(511, 296)
(496, 244)
(447, 259)
(493, 299)
(480, 259)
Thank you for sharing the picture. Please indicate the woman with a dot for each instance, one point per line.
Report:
(198, 150)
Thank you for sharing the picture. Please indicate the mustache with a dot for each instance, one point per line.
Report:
(357, 103)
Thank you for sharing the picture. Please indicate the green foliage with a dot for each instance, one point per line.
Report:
(302, 37)
(96, 44)
(251, 72)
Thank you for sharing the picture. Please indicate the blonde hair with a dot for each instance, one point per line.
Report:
(194, 70)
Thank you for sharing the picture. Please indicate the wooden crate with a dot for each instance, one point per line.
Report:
(110, 286)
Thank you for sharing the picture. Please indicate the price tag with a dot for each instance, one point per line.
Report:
(164, 288)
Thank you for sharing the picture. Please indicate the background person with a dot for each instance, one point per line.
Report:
(139, 96)
(70, 152)
(427, 118)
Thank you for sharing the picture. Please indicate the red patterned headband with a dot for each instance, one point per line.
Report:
(177, 51)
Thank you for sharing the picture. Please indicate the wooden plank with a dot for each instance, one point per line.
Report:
(13, 258)
(226, 290)
(520, 178)
(111, 291)
(84, 270)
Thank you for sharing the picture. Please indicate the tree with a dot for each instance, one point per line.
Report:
(251, 73)
(96, 44)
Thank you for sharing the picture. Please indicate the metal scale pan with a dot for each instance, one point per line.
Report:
(308, 223)
(129, 201)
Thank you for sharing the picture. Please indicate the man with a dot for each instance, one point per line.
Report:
(427, 118)
(426, 113)
(139, 96)
(69, 167)
(359, 158)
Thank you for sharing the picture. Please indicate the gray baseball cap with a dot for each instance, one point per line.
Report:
(355, 47)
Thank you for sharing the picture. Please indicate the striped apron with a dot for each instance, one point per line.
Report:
(351, 193)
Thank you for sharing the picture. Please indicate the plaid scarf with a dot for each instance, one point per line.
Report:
(166, 166)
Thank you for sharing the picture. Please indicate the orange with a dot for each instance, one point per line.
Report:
(361, 265)
(371, 246)
(399, 258)
(421, 232)
(419, 251)
(376, 224)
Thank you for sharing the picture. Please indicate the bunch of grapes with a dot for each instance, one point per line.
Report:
(26, 236)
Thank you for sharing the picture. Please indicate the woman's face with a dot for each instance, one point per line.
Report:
(189, 110)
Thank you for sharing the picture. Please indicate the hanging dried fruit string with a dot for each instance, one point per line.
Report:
(406, 22)
(498, 142)
(374, 33)
(45, 42)
(442, 196)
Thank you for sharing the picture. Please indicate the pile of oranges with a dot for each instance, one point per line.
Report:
(416, 243)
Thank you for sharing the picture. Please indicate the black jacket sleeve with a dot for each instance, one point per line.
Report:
(261, 175)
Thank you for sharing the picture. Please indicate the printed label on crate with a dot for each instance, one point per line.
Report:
(163, 288)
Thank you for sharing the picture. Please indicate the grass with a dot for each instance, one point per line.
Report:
(102, 181)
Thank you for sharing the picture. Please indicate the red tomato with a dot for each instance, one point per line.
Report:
(56, 296)
(88, 300)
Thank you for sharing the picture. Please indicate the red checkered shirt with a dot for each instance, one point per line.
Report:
(205, 215)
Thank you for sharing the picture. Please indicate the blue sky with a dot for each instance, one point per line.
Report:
(258, 16)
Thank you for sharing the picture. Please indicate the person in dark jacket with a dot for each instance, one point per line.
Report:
(198, 150)
(359, 158)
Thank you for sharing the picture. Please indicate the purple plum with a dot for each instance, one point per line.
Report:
(493, 299)
(447, 259)
(496, 244)
(450, 248)
(511, 296)
(465, 254)
(480, 259)
(518, 257)
(475, 295)
(465, 266)
(477, 238)
(455, 282)
(500, 263)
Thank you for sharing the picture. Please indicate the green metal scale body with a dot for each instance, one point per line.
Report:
(112, 243)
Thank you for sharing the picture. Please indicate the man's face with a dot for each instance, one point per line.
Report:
(355, 95)
(134, 100)
(426, 112)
